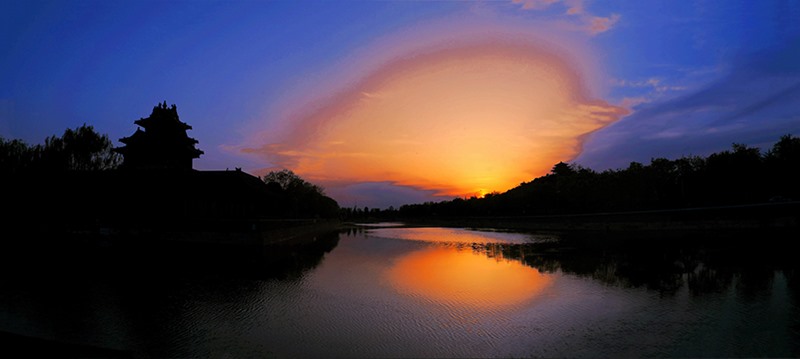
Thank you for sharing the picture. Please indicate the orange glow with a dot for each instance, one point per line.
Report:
(451, 235)
(464, 120)
(466, 278)
(482, 192)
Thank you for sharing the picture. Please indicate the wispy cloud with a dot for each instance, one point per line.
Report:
(653, 83)
(756, 102)
(535, 4)
(631, 102)
(646, 90)
(598, 24)
(576, 9)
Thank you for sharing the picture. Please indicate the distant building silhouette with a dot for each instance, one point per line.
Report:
(163, 145)
(156, 190)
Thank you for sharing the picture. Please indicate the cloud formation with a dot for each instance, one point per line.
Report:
(598, 24)
(755, 103)
(575, 8)
(463, 119)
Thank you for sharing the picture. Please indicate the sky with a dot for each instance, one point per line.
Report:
(385, 103)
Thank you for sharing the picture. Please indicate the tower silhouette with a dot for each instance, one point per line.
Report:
(162, 145)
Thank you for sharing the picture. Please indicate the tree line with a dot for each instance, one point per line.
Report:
(741, 175)
(300, 198)
(84, 151)
(81, 149)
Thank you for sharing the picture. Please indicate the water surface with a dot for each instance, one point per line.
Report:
(424, 292)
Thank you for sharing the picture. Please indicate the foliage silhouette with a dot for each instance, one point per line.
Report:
(742, 175)
(81, 149)
(299, 197)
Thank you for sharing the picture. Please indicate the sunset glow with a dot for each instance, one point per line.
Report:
(462, 120)
(466, 278)
(453, 235)
(393, 102)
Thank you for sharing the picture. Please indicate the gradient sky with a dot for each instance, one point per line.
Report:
(393, 102)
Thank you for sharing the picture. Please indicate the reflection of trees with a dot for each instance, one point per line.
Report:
(143, 258)
(282, 261)
(709, 280)
(292, 261)
(354, 230)
(703, 266)
(141, 294)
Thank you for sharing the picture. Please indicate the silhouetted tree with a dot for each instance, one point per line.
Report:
(782, 163)
(301, 198)
(289, 181)
(738, 176)
(562, 169)
(15, 156)
(81, 149)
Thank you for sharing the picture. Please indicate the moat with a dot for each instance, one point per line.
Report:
(422, 292)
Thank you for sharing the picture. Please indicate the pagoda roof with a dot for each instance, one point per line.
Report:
(160, 142)
(163, 116)
(136, 136)
(160, 121)
(197, 152)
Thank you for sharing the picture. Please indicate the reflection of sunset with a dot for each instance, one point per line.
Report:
(451, 235)
(464, 120)
(466, 278)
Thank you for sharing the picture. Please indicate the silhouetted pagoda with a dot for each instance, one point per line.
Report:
(163, 145)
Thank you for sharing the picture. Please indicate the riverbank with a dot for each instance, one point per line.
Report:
(275, 252)
(240, 232)
(757, 217)
(255, 232)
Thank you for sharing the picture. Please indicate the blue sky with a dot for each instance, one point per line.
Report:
(695, 76)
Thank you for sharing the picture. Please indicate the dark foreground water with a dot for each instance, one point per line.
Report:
(418, 292)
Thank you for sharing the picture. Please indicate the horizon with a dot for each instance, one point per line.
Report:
(391, 103)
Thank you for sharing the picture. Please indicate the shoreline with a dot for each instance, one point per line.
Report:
(766, 216)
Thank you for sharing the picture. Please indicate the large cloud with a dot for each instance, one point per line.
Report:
(461, 119)
(756, 102)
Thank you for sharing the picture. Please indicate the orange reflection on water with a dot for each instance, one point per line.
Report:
(450, 235)
(463, 277)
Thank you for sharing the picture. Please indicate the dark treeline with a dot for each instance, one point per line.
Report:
(367, 213)
(81, 149)
(742, 175)
(300, 198)
(79, 180)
